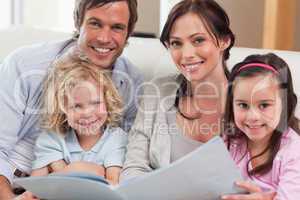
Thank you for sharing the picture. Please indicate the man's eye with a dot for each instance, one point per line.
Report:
(118, 28)
(95, 24)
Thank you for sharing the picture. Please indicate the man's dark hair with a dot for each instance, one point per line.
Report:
(81, 6)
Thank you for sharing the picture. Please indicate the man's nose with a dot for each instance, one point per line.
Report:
(104, 35)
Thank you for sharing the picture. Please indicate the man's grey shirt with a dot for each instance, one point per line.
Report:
(22, 74)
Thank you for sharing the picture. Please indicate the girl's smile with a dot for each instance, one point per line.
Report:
(257, 106)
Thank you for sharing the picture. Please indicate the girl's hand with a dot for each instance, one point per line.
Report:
(26, 196)
(255, 193)
(112, 175)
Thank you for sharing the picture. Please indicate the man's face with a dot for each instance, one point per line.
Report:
(103, 33)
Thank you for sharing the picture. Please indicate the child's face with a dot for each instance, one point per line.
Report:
(257, 107)
(86, 110)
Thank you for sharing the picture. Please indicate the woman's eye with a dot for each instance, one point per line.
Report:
(199, 40)
(175, 44)
(75, 107)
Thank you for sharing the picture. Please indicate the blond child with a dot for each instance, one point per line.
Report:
(82, 109)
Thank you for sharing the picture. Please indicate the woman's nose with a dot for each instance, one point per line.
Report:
(188, 51)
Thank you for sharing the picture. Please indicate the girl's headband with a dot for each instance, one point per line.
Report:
(264, 66)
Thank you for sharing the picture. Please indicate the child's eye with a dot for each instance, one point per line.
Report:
(76, 106)
(264, 105)
(243, 105)
(96, 102)
(175, 44)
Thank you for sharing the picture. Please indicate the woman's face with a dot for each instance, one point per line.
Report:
(193, 49)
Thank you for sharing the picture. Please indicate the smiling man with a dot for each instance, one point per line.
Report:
(102, 30)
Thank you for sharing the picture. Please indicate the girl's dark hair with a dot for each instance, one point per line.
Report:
(289, 101)
(215, 20)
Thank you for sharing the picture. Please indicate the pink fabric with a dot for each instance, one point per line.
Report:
(284, 178)
(265, 66)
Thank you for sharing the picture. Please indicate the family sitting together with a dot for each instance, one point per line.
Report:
(78, 106)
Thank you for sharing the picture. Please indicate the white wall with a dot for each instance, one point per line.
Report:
(165, 7)
(50, 14)
(5, 14)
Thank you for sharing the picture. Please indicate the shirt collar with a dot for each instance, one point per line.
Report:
(119, 74)
(74, 146)
(96, 148)
(72, 142)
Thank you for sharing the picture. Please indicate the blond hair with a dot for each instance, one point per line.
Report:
(65, 74)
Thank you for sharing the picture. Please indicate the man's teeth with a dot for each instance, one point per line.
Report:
(102, 50)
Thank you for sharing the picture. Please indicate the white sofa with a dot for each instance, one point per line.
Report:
(147, 54)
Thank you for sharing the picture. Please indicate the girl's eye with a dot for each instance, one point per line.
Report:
(76, 107)
(243, 105)
(96, 102)
(175, 44)
(264, 105)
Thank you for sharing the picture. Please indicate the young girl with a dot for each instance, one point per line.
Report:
(81, 109)
(261, 126)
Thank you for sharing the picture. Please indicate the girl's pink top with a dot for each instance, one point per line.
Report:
(284, 177)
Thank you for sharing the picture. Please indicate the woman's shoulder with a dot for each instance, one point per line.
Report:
(165, 85)
(165, 79)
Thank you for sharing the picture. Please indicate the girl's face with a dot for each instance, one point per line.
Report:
(86, 108)
(194, 50)
(257, 107)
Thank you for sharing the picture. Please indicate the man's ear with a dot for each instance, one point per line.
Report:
(225, 43)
